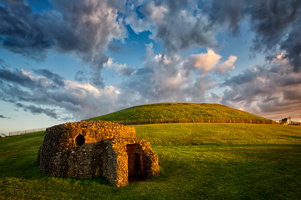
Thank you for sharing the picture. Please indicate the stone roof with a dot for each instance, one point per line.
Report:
(92, 131)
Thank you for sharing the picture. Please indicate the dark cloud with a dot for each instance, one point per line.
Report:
(272, 90)
(270, 20)
(21, 78)
(114, 47)
(179, 24)
(276, 24)
(248, 76)
(3, 117)
(20, 33)
(37, 110)
(128, 71)
(144, 70)
(87, 28)
(292, 46)
(18, 77)
(13, 93)
(231, 13)
(121, 69)
(74, 100)
(80, 27)
(184, 24)
(57, 79)
(81, 76)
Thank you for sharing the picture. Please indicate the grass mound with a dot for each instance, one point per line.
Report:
(182, 112)
(197, 161)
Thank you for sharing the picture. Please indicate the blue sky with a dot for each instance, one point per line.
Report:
(71, 60)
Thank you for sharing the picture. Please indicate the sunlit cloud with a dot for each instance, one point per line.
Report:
(227, 66)
(206, 61)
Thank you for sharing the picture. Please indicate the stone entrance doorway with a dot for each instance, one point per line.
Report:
(135, 163)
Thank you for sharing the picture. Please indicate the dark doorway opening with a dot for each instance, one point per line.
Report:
(80, 140)
(135, 163)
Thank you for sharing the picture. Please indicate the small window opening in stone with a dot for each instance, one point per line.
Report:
(80, 140)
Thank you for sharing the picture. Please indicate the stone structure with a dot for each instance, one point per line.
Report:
(89, 149)
(286, 121)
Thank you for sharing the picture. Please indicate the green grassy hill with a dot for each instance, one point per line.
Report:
(182, 112)
(197, 161)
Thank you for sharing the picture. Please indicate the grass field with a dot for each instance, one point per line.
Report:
(181, 112)
(197, 161)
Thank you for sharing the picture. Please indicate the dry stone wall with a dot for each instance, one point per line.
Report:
(89, 149)
(117, 150)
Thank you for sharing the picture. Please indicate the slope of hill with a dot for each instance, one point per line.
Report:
(181, 112)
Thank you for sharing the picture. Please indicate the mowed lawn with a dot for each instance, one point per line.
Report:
(197, 161)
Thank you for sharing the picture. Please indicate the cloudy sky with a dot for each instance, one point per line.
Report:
(71, 60)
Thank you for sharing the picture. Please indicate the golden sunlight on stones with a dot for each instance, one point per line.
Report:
(97, 148)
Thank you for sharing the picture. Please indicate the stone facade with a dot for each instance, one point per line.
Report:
(89, 149)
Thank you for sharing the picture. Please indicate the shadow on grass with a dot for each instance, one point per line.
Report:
(268, 171)
(26, 168)
(291, 136)
(265, 145)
